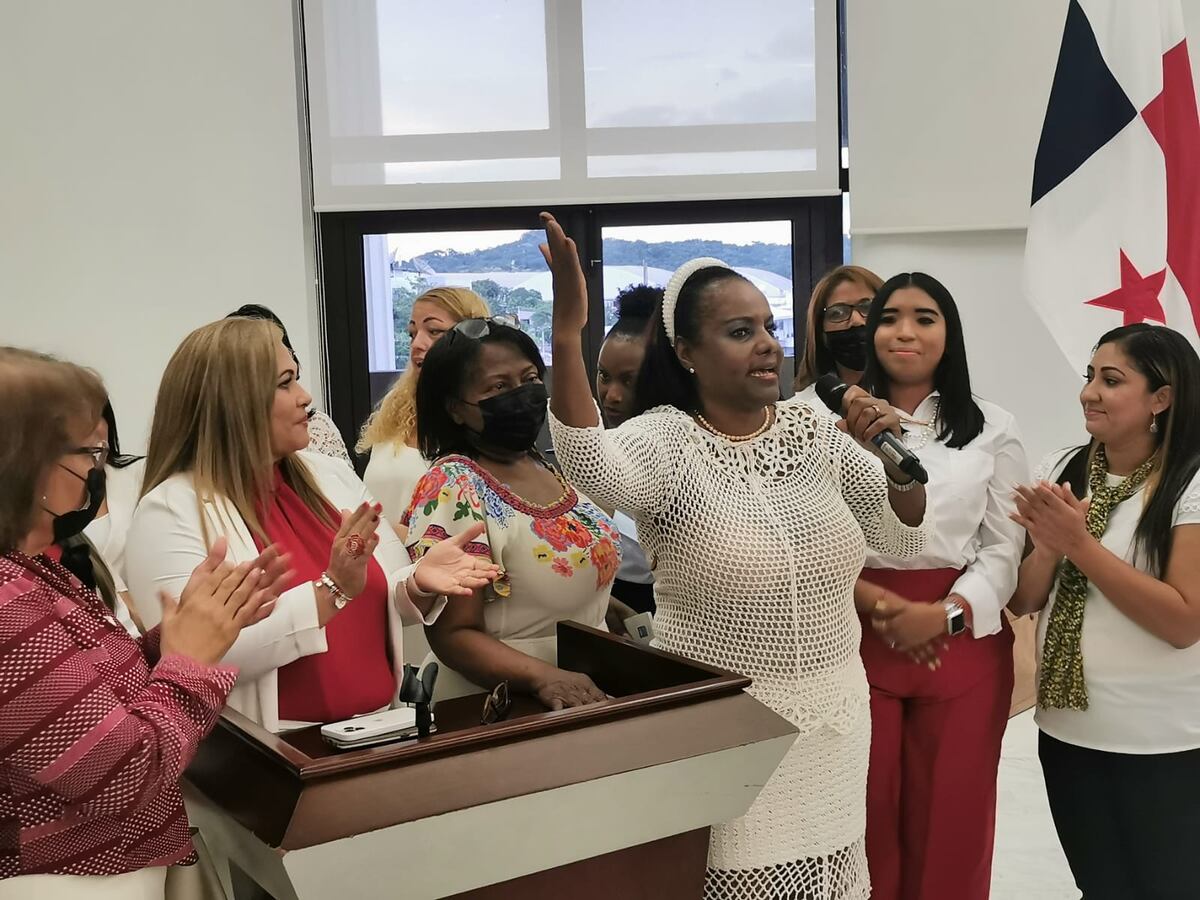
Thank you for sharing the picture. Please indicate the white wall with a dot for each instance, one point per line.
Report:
(151, 182)
(946, 100)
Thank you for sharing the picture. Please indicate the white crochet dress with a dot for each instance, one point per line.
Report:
(756, 547)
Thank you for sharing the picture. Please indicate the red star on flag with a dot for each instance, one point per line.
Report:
(1137, 297)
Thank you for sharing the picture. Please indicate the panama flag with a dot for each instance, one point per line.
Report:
(1114, 230)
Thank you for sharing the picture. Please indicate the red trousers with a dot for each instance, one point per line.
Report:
(935, 749)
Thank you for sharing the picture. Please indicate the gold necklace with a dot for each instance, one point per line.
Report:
(768, 421)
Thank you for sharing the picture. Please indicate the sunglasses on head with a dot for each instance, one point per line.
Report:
(478, 329)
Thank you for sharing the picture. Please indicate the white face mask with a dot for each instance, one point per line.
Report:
(98, 531)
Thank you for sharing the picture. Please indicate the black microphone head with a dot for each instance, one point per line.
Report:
(831, 390)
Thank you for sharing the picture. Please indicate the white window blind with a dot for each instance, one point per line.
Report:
(415, 104)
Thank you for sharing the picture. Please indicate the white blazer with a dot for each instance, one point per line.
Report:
(166, 543)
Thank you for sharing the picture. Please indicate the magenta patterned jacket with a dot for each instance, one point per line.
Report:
(95, 731)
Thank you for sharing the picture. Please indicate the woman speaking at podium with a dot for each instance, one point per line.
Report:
(759, 513)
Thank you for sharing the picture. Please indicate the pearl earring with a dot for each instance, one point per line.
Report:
(1153, 424)
(691, 371)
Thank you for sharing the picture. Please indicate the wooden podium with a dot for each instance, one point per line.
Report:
(609, 800)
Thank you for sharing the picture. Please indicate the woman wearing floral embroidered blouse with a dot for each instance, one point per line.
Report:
(480, 406)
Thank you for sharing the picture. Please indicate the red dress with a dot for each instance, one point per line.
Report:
(354, 675)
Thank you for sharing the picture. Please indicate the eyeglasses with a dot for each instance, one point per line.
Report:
(497, 704)
(478, 329)
(841, 312)
(99, 454)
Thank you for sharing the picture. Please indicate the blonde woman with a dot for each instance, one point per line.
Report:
(227, 460)
(391, 432)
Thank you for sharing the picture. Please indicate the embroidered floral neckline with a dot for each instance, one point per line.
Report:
(564, 504)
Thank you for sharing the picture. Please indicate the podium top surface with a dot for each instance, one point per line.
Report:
(294, 790)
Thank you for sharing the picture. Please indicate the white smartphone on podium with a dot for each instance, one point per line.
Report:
(374, 728)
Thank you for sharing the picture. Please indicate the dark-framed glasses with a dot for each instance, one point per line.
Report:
(99, 454)
(496, 705)
(478, 329)
(841, 312)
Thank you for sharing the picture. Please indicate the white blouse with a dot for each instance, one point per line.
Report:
(391, 476)
(969, 498)
(1143, 694)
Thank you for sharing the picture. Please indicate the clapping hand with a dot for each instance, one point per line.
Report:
(218, 601)
(446, 568)
(353, 546)
(1053, 517)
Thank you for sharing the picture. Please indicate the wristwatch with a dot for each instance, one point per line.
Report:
(956, 617)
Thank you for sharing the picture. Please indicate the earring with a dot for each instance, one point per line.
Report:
(1153, 423)
(691, 371)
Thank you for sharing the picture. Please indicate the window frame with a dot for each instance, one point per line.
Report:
(816, 233)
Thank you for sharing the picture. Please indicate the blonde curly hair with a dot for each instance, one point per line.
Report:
(394, 421)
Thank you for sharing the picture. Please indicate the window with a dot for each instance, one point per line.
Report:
(648, 254)
(504, 267)
(475, 103)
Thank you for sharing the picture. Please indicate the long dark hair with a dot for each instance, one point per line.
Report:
(1164, 357)
(447, 366)
(960, 420)
(258, 311)
(662, 380)
(116, 458)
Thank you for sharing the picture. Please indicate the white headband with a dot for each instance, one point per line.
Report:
(671, 294)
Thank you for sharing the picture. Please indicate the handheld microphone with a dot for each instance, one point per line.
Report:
(832, 392)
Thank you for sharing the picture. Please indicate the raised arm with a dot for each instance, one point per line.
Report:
(620, 468)
(571, 401)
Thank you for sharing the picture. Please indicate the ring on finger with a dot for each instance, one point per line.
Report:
(355, 545)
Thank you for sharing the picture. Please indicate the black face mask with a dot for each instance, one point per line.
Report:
(513, 420)
(69, 524)
(849, 347)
